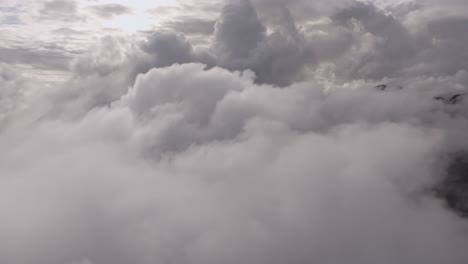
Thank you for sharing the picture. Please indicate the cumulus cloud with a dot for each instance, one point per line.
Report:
(238, 31)
(195, 166)
(276, 58)
(280, 138)
(53, 58)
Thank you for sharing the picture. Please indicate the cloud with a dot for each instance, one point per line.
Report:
(59, 10)
(108, 11)
(192, 26)
(195, 166)
(267, 142)
(238, 31)
(386, 47)
(448, 55)
(9, 93)
(50, 57)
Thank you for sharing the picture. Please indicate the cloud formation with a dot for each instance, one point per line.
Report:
(209, 171)
(110, 10)
(277, 137)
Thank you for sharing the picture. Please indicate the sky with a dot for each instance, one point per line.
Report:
(233, 131)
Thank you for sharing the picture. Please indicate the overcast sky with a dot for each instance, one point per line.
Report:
(233, 131)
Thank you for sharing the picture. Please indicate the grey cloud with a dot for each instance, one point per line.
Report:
(169, 48)
(68, 31)
(280, 58)
(238, 31)
(396, 49)
(275, 58)
(448, 53)
(103, 74)
(391, 45)
(104, 58)
(359, 41)
(59, 6)
(195, 166)
(192, 26)
(165, 48)
(59, 10)
(161, 150)
(47, 58)
(9, 81)
(205, 6)
(110, 10)
(10, 20)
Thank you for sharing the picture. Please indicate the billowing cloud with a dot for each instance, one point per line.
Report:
(281, 132)
(195, 166)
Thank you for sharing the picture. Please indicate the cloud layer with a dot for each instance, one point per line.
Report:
(259, 139)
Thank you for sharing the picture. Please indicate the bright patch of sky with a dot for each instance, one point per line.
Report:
(139, 18)
(61, 29)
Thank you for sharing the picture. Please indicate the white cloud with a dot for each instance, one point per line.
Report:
(164, 148)
(195, 166)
